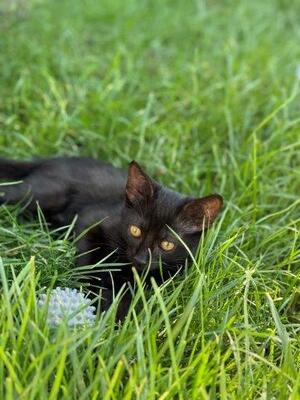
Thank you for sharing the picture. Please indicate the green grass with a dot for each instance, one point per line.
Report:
(205, 95)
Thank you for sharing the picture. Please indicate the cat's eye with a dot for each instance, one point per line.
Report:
(135, 231)
(166, 245)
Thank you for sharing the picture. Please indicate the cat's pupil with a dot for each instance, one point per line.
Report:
(166, 245)
(135, 231)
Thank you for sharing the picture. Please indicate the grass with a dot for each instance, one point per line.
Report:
(206, 95)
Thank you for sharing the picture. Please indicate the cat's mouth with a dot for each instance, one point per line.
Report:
(145, 267)
(140, 268)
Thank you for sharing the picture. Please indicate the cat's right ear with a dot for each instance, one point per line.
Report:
(139, 186)
(199, 214)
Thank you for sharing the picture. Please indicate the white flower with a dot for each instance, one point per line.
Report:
(68, 305)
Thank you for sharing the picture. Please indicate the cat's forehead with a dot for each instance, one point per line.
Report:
(167, 204)
(150, 219)
(162, 212)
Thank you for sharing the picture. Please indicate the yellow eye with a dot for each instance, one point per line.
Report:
(167, 246)
(135, 231)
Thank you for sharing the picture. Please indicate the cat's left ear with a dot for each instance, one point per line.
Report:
(198, 214)
(139, 187)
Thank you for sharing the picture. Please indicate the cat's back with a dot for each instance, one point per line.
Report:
(84, 173)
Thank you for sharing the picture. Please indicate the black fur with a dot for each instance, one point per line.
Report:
(95, 191)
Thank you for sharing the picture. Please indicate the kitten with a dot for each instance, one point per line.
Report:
(126, 213)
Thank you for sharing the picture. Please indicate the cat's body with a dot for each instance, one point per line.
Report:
(129, 214)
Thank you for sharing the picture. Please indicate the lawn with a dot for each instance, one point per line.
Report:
(205, 95)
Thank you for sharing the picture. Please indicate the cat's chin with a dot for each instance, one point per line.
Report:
(144, 269)
(139, 268)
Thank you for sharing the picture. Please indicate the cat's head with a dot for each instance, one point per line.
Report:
(150, 210)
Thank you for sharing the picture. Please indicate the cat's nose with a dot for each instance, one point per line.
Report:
(140, 260)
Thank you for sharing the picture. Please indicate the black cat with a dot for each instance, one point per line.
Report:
(129, 213)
